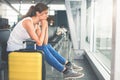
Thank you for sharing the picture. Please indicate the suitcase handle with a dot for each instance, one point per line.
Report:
(29, 41)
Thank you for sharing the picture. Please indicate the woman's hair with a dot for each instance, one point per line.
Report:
(33, 9)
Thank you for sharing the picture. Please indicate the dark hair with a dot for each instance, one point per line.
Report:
(33, 9)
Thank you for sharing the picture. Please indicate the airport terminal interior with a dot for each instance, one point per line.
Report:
(85, 32)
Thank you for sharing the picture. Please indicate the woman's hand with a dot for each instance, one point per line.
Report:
(44, 23)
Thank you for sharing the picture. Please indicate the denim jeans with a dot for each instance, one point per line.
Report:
(53, 57)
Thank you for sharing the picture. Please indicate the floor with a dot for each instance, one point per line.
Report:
(52, 74)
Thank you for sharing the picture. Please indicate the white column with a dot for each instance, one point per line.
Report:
(93, 29)
(78, 27)
(71, 24)
(115, 69)
(83, 24)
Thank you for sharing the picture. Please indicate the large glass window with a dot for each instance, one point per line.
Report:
(103, 30)
(99, 20)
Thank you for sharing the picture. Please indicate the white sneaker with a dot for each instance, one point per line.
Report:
(71, 74)
(75, 67)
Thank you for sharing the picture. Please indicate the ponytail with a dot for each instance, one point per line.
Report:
(30, 12)
(33, 9)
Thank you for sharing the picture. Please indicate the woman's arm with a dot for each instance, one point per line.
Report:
(28, 25)
(44, 25)
(39, 31)
(46, 37)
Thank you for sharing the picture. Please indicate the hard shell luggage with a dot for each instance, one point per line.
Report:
(26, 65)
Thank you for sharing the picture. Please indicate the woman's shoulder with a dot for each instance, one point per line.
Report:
(27, 18)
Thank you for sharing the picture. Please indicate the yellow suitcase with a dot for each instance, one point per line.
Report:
(23, 65)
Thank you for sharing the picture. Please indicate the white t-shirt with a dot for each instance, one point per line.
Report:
(17, 36)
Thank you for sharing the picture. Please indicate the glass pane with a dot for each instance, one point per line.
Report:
(103, 27)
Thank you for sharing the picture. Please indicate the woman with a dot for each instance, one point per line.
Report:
(34, 25)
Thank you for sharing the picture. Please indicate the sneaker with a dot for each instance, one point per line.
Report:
(74, 66)
(70, 65)
(70, 74)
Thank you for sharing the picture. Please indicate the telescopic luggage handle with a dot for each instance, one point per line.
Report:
(29, 42)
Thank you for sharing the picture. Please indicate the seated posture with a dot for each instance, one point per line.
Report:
(34, 25)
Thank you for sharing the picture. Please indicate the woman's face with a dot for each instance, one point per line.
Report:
(43, 15)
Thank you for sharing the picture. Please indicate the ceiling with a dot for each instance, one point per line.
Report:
(35, 1)
(9, 2)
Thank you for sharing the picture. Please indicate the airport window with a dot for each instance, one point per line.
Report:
(103, 31)
(7, 12)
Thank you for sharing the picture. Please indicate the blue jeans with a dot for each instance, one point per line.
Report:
(53, 57)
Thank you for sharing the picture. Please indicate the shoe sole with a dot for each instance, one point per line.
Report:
(74, 77)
